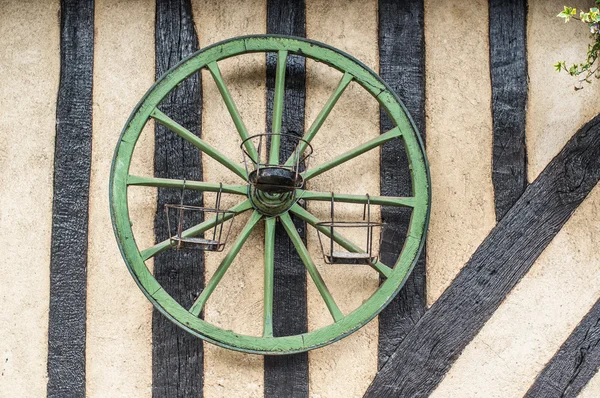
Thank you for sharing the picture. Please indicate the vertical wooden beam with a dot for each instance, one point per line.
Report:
(287, 376)
(575, 362)
(402, 66)
(72, 163)
(508, 71)
(177, 356)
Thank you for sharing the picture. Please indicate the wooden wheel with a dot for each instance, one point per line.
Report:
(270, 208)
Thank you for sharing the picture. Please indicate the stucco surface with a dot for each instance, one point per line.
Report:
(29, 72)
(555, 110)
(537, 316)
(348, 366)
(459, 136)
(503, 359)
(118, 353)
(592, 390)
(237, 302)
(563, 284)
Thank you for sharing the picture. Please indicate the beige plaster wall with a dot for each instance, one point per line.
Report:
(459, 136)
(555, 110)
(592, 390)
(237, 302)
(348, 366)
(29, 72)
(506, 355)
(118, 352)
(537, 316)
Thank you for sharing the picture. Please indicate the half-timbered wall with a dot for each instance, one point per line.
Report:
(504, 301)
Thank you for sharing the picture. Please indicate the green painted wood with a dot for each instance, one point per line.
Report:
(269, 273)
(193, 185)
(359, 150)
(320, 119)
(224, 266)
(173, 310)
(339, 239)
(360, 199)
(316, 277)
(233, 111)
(278, 106)
(196, 230)
(198, 142)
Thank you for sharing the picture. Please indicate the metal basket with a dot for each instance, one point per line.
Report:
(334, 254)
(276, 177)
(215, 241)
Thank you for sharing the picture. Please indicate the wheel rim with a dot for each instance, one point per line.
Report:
(188, 318)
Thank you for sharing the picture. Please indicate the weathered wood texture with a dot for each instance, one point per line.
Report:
(402, 66)
(574, 364)
(287, 376)
(425, 355)
(508, 70)
(72, 162)
(177, 356)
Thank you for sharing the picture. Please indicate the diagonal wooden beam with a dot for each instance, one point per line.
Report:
(505, 256)
(574, 364)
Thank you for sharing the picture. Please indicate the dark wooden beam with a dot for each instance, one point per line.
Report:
(177, 356)
(574, 364)
(508, 70)
(402, 66)
(287, 376)
(72, 163)
(431, 347)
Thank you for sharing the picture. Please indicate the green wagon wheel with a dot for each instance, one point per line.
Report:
(394, 274)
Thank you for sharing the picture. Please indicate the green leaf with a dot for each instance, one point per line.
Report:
(573, 70)
(567, 13)
(558, 66)
(584, 16)
(590, 67)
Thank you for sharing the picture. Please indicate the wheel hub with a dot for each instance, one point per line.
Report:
(271, 204)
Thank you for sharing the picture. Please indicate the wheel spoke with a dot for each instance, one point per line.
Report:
(233, 111)
(339, 239)
(269, 274)
(224, 266)
(318, 122)
(367, 146)
(197, 142)
(196, 230)
(288, 224)
(193, 185)
(396, 201)
(278, 106)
